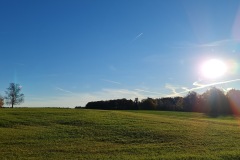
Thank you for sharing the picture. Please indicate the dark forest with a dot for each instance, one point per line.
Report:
(213, 102)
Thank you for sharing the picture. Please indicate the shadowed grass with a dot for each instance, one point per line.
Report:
(46, 133)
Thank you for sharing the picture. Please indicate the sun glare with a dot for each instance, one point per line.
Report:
(213, 69)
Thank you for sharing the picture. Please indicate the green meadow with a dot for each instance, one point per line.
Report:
(47, 133)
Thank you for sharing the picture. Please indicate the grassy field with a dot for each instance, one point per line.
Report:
(95, 134)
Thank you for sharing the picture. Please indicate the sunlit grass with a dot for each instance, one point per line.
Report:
(95, 134)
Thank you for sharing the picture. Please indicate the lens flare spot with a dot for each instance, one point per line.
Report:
(233, 67)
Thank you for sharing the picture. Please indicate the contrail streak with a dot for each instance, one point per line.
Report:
(216, 83)
(201, 86)
(138, 36)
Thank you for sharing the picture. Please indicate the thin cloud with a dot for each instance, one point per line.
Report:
(63, 90)
(216, 43)
(186, 89)
(172, 88)
(206, 45)
(32, 98)
(81, 99)
(122, 93)
(141, 90)
(110, 81)
(198, 84)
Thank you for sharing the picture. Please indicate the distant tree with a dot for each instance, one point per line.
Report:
(117, 104)
(136, 103)
(178, 103)
(148, 104)
(14, 95)
(233, 96)
(168, 104)
(79, 107)
(213, 102)
(1, 101)
(190, 101)
(159, 104)
(216, 102)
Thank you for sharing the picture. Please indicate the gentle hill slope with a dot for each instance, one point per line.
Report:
(96, 134)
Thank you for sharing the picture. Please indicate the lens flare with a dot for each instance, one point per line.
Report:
(233, 67)
(213, 69)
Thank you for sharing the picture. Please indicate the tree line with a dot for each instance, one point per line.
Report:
(13, 95)
(213, 102)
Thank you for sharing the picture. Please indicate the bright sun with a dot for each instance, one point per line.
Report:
(213, 68)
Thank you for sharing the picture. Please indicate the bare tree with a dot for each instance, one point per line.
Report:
(1, 101)
(14, 95)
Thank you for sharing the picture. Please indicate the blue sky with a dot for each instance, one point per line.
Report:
(67, 53)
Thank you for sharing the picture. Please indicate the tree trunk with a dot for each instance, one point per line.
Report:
(12, 105)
